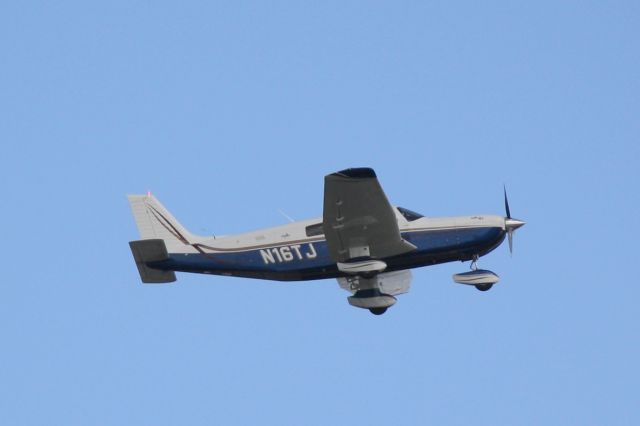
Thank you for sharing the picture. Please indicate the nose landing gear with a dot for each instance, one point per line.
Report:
(474, 263)
(481, 279)
(484, 287)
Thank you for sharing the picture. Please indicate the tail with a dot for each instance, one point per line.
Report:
(155, 222)
(160, 235)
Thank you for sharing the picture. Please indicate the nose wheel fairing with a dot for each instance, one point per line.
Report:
(481, 279)
(477, 277)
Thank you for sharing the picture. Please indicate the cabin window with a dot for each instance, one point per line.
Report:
(409, 215)
(314, 230)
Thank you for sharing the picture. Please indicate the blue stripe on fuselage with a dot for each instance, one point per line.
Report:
(312, 261)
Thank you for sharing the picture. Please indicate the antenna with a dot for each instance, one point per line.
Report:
(289, 218)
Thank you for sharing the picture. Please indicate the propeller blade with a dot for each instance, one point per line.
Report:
(506, 203)
(510, 234)
(509, 223)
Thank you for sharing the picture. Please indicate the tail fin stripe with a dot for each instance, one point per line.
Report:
(167, 225)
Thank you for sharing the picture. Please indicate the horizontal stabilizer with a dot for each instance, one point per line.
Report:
(145, 251)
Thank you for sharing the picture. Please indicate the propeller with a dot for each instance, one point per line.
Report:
(510, 224)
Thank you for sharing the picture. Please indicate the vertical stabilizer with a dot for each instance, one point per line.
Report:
(155, 222)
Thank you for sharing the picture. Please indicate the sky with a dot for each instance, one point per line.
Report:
(232, 111)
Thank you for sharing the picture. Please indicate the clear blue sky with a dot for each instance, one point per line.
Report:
(229, 111)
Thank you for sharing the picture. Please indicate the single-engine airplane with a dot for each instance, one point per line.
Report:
(363, 241)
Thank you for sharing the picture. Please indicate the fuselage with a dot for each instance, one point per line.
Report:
(298, 251)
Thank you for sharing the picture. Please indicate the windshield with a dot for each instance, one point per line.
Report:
(409, 215)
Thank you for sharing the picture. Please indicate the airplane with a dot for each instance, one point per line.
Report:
(363, 241)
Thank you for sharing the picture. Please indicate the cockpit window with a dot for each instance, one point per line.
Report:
(409, 215)
(315, 230)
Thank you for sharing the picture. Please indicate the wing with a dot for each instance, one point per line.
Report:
(358, 220)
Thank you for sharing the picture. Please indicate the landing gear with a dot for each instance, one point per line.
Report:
(481, 279)
(367, 294)
(484, 287)
(474, 268)
(474, 262)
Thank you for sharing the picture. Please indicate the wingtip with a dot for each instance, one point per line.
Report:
(356, 173)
